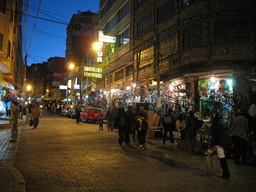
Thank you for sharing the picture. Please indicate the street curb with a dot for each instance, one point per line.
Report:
(17, 178)
(8, 126)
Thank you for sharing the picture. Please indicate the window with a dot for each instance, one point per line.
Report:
(231, 31)
(168, 46)
(112, 23)
(125, 10)
(129, 70)
(192, 37)
(165, 10)
(119, 75)
(2, 6)
(144, 24)
(139, 2)
(146, 56)
(9, 49)
(1, 42)
(124, 37)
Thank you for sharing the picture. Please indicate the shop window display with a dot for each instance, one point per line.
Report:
(215, 97)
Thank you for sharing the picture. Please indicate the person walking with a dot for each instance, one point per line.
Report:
(77, 111)
(14, 113)
(110, 118)
(239, 130)
(252, 113)
(217, 129)
(101, 122)
(181, 126)
(130, 117)
(191, 131)
(142, 127)
(36, 114)
(168, 122)
(121, 124)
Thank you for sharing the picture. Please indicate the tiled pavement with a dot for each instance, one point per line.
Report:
(64, 156)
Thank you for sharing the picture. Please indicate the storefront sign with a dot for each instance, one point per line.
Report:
(93, 69)
(96, 75)
(105, 38)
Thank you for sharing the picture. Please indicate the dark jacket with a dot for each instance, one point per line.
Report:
(192, 125)
(216, 130)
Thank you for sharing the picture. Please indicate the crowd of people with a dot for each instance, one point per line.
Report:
(134, 122)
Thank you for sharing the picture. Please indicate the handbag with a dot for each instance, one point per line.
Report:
(31, 122)
(212, 163)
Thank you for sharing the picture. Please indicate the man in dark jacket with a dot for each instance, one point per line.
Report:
(191, 131)
(121, 124)
(168, 122)
(142, 127)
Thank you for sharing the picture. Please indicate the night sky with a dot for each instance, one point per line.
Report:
(45, 37)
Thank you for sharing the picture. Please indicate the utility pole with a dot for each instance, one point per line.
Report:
(156, 60)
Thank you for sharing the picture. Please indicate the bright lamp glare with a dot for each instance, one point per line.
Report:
(213, 79)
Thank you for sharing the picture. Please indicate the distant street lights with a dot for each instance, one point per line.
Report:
(74, 67)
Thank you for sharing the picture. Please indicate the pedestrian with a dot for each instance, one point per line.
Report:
(252, 113)
(101, 119)
(77, 111)
(14, 113)
(130, 121)
(191, 132)
(36, 114)
(134, 126)
(121, 124)
(110, 119)
(239, 130)
(217, 129)
(168, 122)
(181, 126)
(142, 127)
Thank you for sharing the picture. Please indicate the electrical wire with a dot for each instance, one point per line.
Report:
(33, 30)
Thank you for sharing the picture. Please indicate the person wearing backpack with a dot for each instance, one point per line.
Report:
(142, 127)
(217, 129)
(168, 122)
(121, 124)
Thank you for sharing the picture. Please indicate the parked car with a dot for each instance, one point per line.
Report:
(64, 112)
(90, 114)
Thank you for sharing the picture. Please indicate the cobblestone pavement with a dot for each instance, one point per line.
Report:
(61, 155)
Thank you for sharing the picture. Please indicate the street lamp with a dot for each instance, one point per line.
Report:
(72, 67)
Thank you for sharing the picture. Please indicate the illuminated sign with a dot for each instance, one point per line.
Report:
(93, 69)
(69, 83)
(96, 75)
(63, 87)
(106, 38)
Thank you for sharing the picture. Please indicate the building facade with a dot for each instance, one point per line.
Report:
(115, 21)
(81, 33)
(189, 44)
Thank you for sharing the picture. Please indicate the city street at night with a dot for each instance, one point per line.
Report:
(61, 155)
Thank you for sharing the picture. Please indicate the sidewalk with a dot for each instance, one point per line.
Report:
(10, 178)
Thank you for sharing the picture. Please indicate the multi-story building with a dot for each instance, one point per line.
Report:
(45, 79)
(117, 63)
(81, 33)
(11, 67)
(202, 51)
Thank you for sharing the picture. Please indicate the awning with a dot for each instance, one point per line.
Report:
(4, 83)
(8, 77)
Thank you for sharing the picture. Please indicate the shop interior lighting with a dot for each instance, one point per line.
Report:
(171, 87)
(230, 82)
(134, 85)
(128, 88)
(213, 79)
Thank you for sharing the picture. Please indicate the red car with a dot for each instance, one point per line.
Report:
(90, 114)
